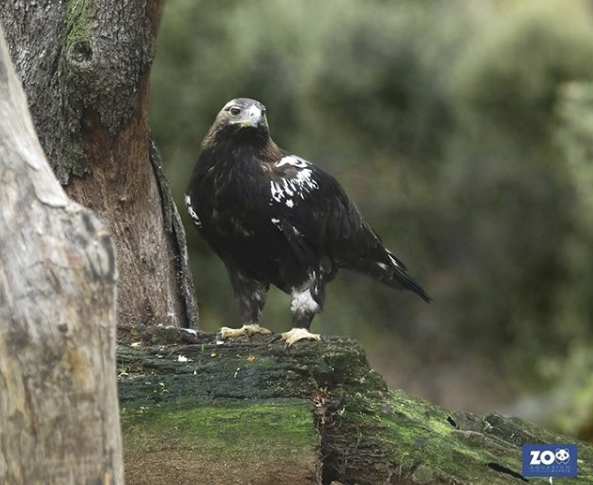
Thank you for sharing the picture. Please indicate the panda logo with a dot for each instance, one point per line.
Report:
(562, 456)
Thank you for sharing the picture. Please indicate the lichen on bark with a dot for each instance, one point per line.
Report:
(77, 18)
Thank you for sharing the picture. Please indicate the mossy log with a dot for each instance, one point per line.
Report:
(254, 412)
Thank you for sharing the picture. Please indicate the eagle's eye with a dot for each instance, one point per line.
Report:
(235, 111)
(263, 111)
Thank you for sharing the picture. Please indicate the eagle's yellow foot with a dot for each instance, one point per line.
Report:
(297, 334)
(249, 330)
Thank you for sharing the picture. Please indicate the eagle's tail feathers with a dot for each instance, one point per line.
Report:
(391, 273)
(399, 278)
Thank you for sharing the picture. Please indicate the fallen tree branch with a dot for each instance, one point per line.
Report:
(256, 412)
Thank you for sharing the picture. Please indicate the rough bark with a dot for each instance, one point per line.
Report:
(59, 420)
(85, 67)
(255, 412)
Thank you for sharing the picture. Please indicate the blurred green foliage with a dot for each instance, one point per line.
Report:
(464, 132)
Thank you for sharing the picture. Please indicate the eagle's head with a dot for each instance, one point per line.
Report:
(242, 116)
(241, 128)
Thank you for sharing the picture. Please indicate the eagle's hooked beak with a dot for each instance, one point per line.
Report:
(253, 117)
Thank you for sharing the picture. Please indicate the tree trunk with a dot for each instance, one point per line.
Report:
(251, 411)
(59, 421)
(85, 67)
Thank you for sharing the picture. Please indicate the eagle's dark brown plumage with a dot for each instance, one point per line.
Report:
(274, 218)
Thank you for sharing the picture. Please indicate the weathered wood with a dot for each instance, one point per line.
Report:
(59, 419)
(332, 409)
(85, 66)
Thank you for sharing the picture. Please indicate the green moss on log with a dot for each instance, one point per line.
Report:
(320, 396)
(264, 442)
(251, 430)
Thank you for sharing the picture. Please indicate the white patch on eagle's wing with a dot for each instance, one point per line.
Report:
(278, 225)
(277, 192)
(292, 160)
(285, 188)
(304, 181)
(192, 212)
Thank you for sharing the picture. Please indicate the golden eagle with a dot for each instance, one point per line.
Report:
(275, 218)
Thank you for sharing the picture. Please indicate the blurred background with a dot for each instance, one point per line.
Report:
(464, 132)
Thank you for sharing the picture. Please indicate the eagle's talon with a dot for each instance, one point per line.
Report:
(296, 334)
(249, 330)
(276, 337)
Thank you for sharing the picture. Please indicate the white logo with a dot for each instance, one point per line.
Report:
(548, 457)
(562, 456)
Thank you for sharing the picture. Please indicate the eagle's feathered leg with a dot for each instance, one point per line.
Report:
(251, 295)
(306, 303)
